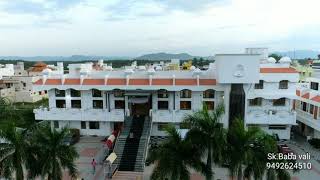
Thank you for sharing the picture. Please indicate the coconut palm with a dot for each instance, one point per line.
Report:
(247, 153)
(12, 152)
(175, 157)
(208, 133)
(51, 153)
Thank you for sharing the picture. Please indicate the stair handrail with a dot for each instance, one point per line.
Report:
(148, 140)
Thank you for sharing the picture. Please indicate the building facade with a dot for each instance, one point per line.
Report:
(18, 85)
(96, 98)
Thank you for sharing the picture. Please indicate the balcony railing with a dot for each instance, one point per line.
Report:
(271, 117)
(72, 114)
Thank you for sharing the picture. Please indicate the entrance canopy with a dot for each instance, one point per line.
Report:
(138, 100)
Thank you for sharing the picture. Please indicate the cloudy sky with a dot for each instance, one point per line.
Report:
(135, 27)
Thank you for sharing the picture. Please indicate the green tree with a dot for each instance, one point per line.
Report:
(208, 133)
(51, 153)
(247, 153)
(276, 56)
(12, 152)
(174, 157)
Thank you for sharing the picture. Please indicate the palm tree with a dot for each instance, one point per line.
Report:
(208, 133)
(174, 158)
(247, 153)
(51, 153)
(12, 152)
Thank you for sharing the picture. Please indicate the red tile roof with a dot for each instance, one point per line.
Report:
(316, 98)
(277, 70)
(306, 96)
(162, 82)
(139, 82)
(184, 82)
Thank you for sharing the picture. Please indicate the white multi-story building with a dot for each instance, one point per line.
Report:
(17, 85)
(307, 106)
(96, 98)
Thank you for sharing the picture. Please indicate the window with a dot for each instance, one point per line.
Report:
(311, 108)
(255, 102)
(97, 104)
(280, 127)
(60, 93)
(96, 93)
(184, 126)
(209, 104)
(314, 85)
(279, 102)
(76, 104)
(119, 104)
(118, 93)
(163, 94)
(208, 93)
(83, 125)
(56, 124)
(304, 106)
(162, 126)
(163, 105)
(259, 85)
(61, 103)
(94, 125)
(75, 93)
(185, 105)
(283, 84)
(24, 84)
(185, 93)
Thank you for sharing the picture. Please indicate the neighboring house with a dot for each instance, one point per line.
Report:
(305, 71)
(96, 98)
(18, 86)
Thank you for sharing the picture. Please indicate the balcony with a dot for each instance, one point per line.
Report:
(307, 119)
(172, 116)
(115, 115)
(271, 117)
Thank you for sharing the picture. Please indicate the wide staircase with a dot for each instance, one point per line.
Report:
(131, 151)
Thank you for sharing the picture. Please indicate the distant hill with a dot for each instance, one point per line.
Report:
(64, 58)
(165, 56)
(299, 54)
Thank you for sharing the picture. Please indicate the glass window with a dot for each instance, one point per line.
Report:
(76, 104)
(311, 108)
(56, 124)
(118, 93)
(96, 93)
(208, 93)
(314, 85)
(162, 126)
(209, 104)
(185, 93)
(185, 105)
(61, 103)
(60, 93)
(259, 85)
(83, 125)
(283, 84)
(277, 127)
(279, 102)
(304, 106)
(75, 93)
(163, 105)
(94, 125)
(119, 104)
(255, 102)
(97, 104)
(163, 94)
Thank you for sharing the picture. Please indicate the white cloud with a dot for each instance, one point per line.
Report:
(118, 28)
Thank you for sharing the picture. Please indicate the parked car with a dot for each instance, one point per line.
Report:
(284, 149)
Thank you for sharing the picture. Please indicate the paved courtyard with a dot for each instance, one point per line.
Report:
(92, 147)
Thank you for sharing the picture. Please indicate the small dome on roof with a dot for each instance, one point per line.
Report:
(192, 68)
(285, 60)
(271, 60)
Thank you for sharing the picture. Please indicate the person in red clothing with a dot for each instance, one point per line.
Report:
(94, 163)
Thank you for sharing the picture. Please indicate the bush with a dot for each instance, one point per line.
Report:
(315, 142)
